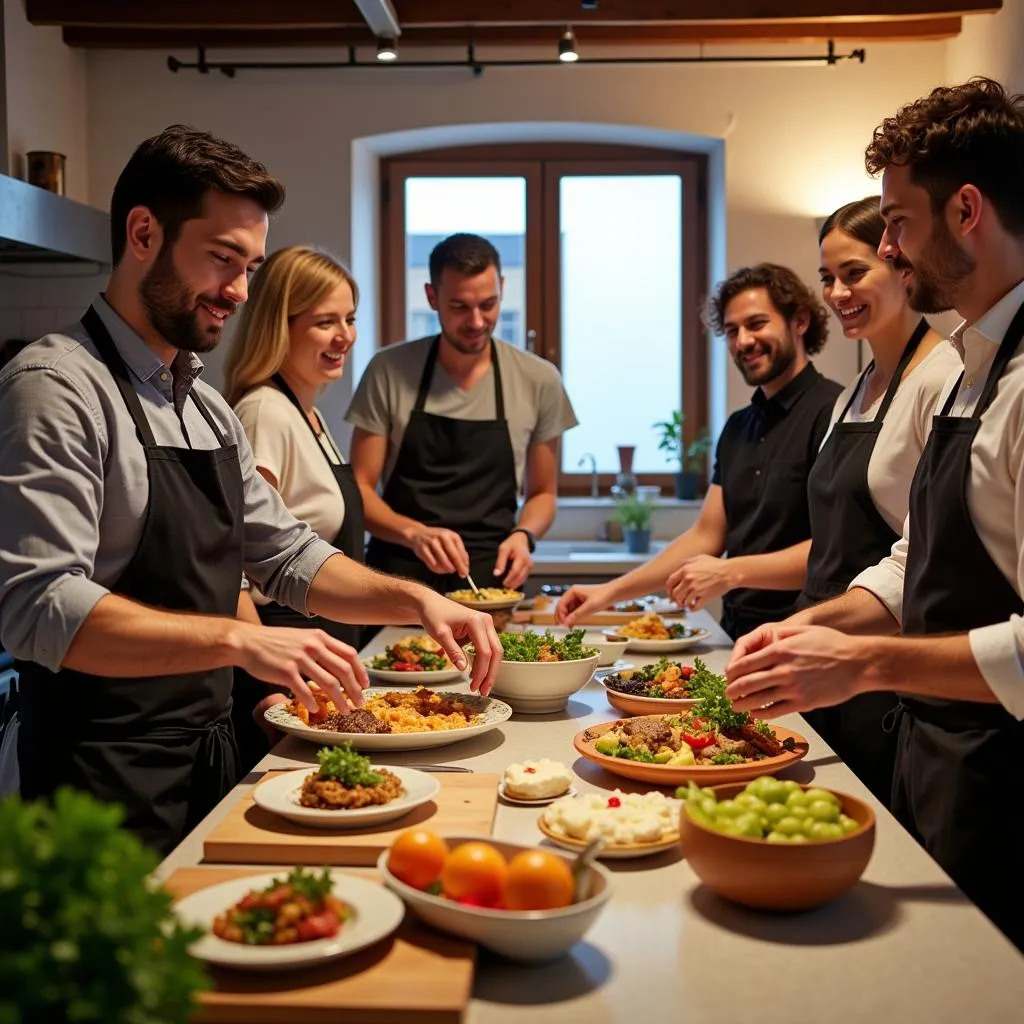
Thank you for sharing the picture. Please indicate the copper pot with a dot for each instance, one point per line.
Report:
(46, 170)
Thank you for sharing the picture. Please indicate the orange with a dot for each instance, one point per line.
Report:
(538, 880)
(416, 857)
(474, 873)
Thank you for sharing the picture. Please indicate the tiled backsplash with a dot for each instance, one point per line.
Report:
(35, 300)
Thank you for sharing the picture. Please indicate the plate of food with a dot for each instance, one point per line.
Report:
(651, 634)
(345, 791)
(412, 660)
(535, 783)
(629, 824)
(711, 742)
(393, 719)
(281, 921)
(662, 686)
(487, 599)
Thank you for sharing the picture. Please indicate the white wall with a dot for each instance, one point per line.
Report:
(794, 135)
(46, 99)
(990, 45)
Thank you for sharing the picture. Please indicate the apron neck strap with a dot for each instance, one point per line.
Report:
(428, 374)
(282, 386)
(890, 392)
(1007, 347)
(97, 330)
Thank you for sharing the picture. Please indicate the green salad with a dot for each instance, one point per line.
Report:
(545, 647)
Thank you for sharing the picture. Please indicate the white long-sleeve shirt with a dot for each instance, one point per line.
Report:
(995, 497)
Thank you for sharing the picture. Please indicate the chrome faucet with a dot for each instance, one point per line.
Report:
(593, 472)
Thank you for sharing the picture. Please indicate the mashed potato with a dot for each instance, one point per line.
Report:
(618, 818)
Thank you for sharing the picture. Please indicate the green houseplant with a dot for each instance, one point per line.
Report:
(86, 936)
(634, 515)
(690, 458)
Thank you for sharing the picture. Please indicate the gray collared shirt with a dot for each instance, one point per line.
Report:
(74, 489)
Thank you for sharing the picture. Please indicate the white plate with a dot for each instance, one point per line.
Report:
(420, 678)
(637, 646)
(280, 795)
(491, 710)
(619, 666)
(377, 913)
(664, 606)
(571, 791)
(609, 851)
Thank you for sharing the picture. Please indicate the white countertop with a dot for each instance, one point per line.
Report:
(903, 946)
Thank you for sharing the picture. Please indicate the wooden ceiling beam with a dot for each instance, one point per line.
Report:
(922, 29)
(297, 14)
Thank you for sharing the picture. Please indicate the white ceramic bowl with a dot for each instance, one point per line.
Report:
(541, 687)
(527, 935)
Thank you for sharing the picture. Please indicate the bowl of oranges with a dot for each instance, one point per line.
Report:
(522, 902)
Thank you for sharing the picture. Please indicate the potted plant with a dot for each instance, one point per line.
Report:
(690, 458)
(634, 515)
(87, 936)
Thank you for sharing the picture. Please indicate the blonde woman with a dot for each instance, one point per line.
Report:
(295, 334)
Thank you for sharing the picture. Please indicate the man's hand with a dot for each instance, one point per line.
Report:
(296, 657)
(786, 669)
(440, 550)
(514, 561)
(452, 626)
(699, 580)
(580, 601)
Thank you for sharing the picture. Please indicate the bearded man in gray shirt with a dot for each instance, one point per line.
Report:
(132, 507)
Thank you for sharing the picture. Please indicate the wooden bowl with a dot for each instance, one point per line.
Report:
(779, 876)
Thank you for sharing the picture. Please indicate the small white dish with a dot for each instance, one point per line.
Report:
(619, 666)
(420, 678)
(542, 802)
(280, 795)
(376, 914)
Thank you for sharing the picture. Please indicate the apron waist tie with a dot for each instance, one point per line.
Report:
(892, 718)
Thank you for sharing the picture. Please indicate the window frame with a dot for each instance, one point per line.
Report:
(543, 165)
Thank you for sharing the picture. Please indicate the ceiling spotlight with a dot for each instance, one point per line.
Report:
(387, 49)
(567, 46)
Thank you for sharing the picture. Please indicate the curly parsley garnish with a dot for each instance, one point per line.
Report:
(709, 689)
(528, 646)
(348, 767)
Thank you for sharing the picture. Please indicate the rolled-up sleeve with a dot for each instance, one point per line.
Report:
(885, 580)
(52, 451)
(281, 553)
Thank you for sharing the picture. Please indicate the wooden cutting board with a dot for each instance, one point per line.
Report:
(417, 974)
(250, 835)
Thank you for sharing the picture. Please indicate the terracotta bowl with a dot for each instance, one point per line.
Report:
(779, 876)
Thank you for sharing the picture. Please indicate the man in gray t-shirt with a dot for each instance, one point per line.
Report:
(455, 428)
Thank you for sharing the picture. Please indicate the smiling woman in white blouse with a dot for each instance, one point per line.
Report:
(293, 340)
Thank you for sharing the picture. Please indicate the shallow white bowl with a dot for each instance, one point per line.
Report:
(280, 795)
(609, 650)
(541, 687)
(527, 935)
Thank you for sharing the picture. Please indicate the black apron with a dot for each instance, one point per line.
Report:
(159, 745)
(457, 474)
(848, 534)
(253, 742)
(959, 762)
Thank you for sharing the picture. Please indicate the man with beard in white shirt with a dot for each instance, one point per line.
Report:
(952, 586)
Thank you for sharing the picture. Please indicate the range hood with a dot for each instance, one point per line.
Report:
(37, 226)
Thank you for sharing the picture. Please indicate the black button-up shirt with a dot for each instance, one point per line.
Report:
(762, 461)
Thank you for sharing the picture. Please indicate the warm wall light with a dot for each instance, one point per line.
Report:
(387, 49)
(567, 46)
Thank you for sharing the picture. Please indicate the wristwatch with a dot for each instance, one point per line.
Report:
(531, 543)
